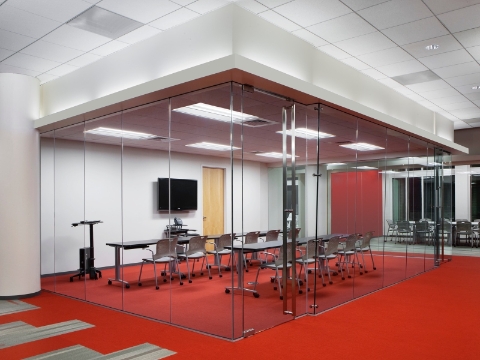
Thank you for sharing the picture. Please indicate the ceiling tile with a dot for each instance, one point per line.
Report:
(342, 28)
(458, 70)
(440, 93)
(429, 105)
(475, 52)
(365, 44)
(92, 1)
(310, 37)
(204, 6)
(59, 10)
(362, 4)
(446, 59)
(390, 83)
(273, 3)
(447, 115)
(335, 52)
(402, 68)
(449, 100)
(183, 2)
(416, 31)
(310, 12)
(46, 78)
(13, 41)
(279, 20)
(473, 96)
(143, 11)
(472, 121)
(355, 63)
(25, 23)
(51, 51)
(109, 48)
(84, 60)
(459, 105)
(252, 6)
(395, 12)
(428, 86)
(464, 79)
(468, 89)
(416, 77)
(468, 113)
(476, 102)
(30, 62)
(443, 6)
(462, 19)
(446, 43)
(173, 19)
(374, 74)
(385, 57)
(460, 125)
(75, 38)
(16, 70)
(469, 38)
(407, 92)
(139, 34)
(5, 53)
(62, 70)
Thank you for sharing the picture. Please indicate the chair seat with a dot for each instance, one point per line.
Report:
(221, 252)
(193, 256)
(341, 252)
(329, 257)
(165, 259)
(363, 249)
(273, 266)
(306, 261)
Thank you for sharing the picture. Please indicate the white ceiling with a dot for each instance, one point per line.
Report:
(383, 39)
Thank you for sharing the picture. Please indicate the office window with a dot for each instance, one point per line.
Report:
(399, 203)
(475, 186)
(414, 198)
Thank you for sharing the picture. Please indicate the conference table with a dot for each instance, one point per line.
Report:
(240, 249)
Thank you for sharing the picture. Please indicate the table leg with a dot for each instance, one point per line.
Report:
(117, 269)
(240, 287)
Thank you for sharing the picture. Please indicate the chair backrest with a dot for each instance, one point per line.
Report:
(366, 239)
(332, 247)
(272, 235)
(196, 244)
(252, 237)
(464, 226)
(224, 240)
(390, 223)
(297, 231)
(290, 248)
(422, 225)
(403, 225)
(351, 243)
(166, 247)
(310, 249)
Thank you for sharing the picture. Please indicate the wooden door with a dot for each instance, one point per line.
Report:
(213, 201)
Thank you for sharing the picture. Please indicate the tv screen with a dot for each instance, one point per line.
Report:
(183, 194)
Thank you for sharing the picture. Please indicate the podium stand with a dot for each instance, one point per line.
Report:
(89, 265)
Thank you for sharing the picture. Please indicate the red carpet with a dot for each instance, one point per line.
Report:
(434, 315)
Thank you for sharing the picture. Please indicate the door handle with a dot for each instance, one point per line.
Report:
(204, 218)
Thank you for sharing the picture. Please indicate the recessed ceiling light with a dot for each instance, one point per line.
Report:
(216, 113)
(308, 134)
(475, 87)
(364, 167)
(275, 155)
(388, 172)
(432, 47)
(121, 133)
(362, 146)
(335, 164)
(213, 146)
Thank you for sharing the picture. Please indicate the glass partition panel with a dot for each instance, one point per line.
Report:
(47, 210)
(448, 198)
(103, 205)
(145, 160)
(72, 253)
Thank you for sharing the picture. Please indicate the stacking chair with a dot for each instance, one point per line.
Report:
(277, 265)
(446, 232)
(392, 228)
(196, 250)
(330, 252)
(465, 228)
(309, 257)
(251, 238)
(345, 254)
(220, 250)
(476, 230)
(297, 231)
(364, 246)
(165, 253)
(422, 229)
(272, 235)
(403, 228)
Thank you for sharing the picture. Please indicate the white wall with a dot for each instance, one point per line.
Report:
(103, 167)
(463, 192)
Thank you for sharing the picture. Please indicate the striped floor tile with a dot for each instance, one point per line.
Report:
(14, 306)
(141, 352)
(19, 332)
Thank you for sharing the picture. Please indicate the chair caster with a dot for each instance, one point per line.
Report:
(201, 273)
(157, 287)
(127, 286)
(163, 273)
(193, 275)
(324, 284)
(349, 276)
(183, 276)
(165, 280)
(366, 271)
(281, 297)
(256, 295)
(301, 282)
(300, 291)
(361, 273)
(274, 288)
(343, 278)
(374, 268)
(246, 270)
(210, 278)
(109, 282)
(308, 289)
(181, 282)
(190, 281)
(227, 291)
(331, 282)
(220, 275)
(71, 279)
(139, 284)
(272, 280)
(309, 271)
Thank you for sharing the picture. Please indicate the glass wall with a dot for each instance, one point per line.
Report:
(231, 210)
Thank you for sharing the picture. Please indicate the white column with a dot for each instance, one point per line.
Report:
(462, 192)
(19, 187)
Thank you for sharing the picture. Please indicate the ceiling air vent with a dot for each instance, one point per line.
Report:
(258, 122)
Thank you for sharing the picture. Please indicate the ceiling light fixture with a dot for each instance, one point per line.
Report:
(215, 113)
(362, 146)
(121, 133)
(388, 172)
(308, 134)
(364, 167)
(335, 164)
(432, 47)
(212, 146)
(475, 87)
(275, 155)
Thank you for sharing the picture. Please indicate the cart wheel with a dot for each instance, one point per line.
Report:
(227, 291)
(308, 289)
(309, 271)
(256, 295)
(201, 273)
(109, 282)
(301, 282)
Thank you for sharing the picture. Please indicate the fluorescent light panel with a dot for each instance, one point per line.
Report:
(120, 133)
(275, 155)
(362, 146)
(212, 146)
(308, 134)
(215, 113)
(388, 172)
(364, 167)
(335, 164)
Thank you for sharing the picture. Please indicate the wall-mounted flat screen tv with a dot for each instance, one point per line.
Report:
(183, 194)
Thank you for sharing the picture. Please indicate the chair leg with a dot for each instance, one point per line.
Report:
(328, 271)
(279, 284)
(256, 279)
(140, 275)
(219, 263)
(364, 264)
(320, 267)
(371, 255)
(155, 273)
(188, 269)
(208, 267)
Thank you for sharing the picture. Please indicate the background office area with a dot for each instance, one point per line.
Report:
(288, 154)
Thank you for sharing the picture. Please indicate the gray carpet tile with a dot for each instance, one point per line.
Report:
(14, 306)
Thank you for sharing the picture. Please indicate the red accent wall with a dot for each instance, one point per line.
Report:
(356, 202)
